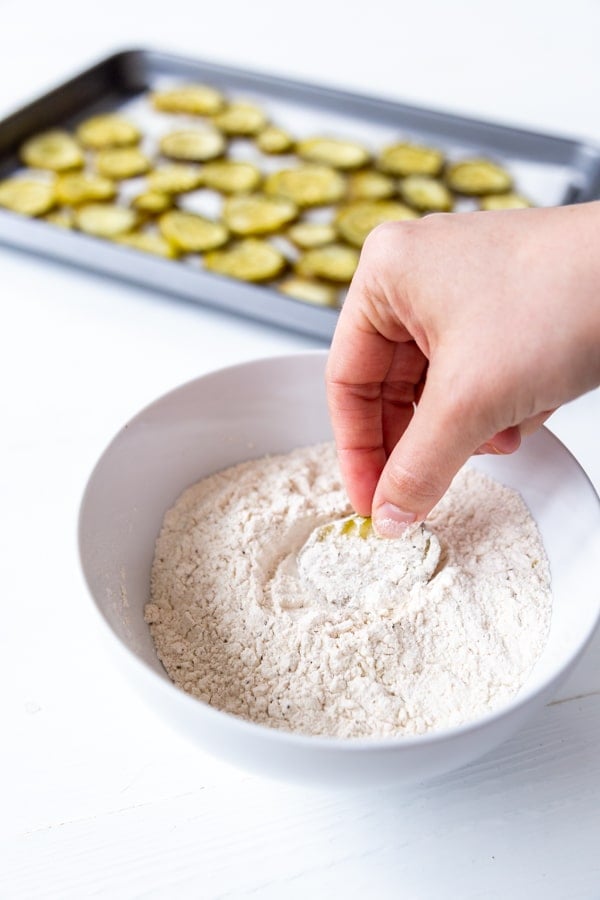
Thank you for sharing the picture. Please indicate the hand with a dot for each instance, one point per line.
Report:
(460, 333)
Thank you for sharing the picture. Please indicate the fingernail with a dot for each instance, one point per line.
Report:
(390, 521)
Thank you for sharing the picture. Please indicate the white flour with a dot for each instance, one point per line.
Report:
(266, 606)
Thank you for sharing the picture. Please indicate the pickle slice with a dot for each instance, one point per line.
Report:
(231, 177)
(195, 99)
(176, 178)
(478, 176)
(241, 120)
(274, 140)
(149, 243)
(504, 201)
(122, 162)
(356, 220)
(370, 185)
(308, 185)
(257, 214)
(426, 194)
(152, 202)
(310, 291)
(248, 260)
(333, 152)
(105, 219)
(109, 130)
(311, 234)
(63, 218)
(410, 159)
(193, 145)
(27, 196)
(335, 262)
(191, 233)
(55, 150)
(76, 188)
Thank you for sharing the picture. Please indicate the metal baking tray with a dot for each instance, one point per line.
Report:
(549, 169)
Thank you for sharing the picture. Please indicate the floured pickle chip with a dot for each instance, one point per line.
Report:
(257, 214)
(426, 194)
(231, 177)
(248, 260)
(122, 162)
(194, 99)
(241, 120)
(176, 178)
(504, 201)
(149, 243)
(312, 234)
(152, 202)
(193, 144)
(105, 219)
(335, 262)
(333, 152)
(356, 220)
(308, 185)
(109, 130)
(478, 176)
(274, 140)
(191, 233)
(309, 291)
(63, 218)
(410, 159)
(370, 185)
(27, 196)
(75, 188)
(55, 150)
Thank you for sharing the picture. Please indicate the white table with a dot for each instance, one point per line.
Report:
(98, 797)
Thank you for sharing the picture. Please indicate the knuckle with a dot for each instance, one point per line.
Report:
(421, 490)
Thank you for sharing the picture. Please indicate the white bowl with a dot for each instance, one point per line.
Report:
(272, 406)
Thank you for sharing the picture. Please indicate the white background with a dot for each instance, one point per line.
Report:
(98, 798)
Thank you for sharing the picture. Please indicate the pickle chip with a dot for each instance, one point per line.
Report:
(191, 233)
(257, 214)
(176, 178)
(274, 140)
(27, 196)
(63, 218)
(152, 202)
(426, 194)
(311, 234)
(308, 185)
(241, 120)
(356, 220)
(478, 176)
(410, 159)
(105, 219)
(76, 188)
(504, 201)
(248, 260)
(333, 152)
(231, 177)
(54, 150)
(194, 99)
(109, 130)
(193, 145)
(310, 291)
(335, 262)
(122, 162)
(149, 243)
(370, 185)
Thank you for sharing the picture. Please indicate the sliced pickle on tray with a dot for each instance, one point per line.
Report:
(335, 262)
(55, 150)
(193, 99)
(175, 178)
(105, 219)
(191, 233)
(241, 120)
(478, 176)
(231, 177)
(249, 260)
(370, 185)
(307, 185)
(426, 194)
(193, 145)
(274, 140)
(310, 291)
(257, 214)
(504, 201)
(108, 130)
(311, 234)
(410, 159)
(149, 242)
(356, 220)
(122, 162)
(75, 188)
(27, 196)
(334, 152)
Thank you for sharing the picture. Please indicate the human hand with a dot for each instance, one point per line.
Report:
(486, 321)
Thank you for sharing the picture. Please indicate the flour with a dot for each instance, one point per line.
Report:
(266, 605)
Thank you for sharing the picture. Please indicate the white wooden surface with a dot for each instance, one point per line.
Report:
(98, 798)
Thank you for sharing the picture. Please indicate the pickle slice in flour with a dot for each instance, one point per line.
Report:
(309, 291)
(149, 243)
(356, 220)
(27, 196)
(193, 144)
(257, 214)
(311, 234)
(308, 185)
(248, 260)
(105, 219)
(55, 150)
(274, 140)
(504, 201)
(109, 130)
(477, 177)
(335, 262)
(194, 99)
(410, 159)
(122, 162)
(152, 203)
(176, 178)
(241, 120)
(334, 152)
(191, 233)
(75, 188)
(426, 194)
(231, 177)
(370, 185)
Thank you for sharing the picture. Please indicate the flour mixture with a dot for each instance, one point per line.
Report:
(272, 602)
